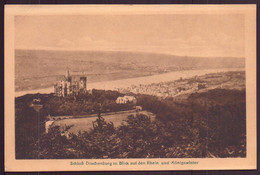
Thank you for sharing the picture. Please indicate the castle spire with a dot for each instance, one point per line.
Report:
(68, 73)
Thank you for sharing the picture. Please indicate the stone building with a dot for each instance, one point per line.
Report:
(70, 85)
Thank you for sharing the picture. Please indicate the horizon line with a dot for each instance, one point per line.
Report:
(126, 51)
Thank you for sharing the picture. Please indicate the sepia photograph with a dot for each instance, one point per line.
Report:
(129, 83)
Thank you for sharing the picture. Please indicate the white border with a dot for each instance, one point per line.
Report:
(11, 164)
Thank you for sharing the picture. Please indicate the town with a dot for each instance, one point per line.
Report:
(227, 80)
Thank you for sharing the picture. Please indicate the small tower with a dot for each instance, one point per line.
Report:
(68, 77)
(83, 83)
(67, 73)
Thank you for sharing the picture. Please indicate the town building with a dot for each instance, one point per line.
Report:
(70, 85)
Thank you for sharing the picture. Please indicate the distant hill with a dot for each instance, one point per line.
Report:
(39, 68)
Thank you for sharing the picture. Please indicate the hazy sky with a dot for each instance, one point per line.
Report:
(190, 35)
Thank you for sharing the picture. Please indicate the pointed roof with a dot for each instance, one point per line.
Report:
(68, 73)
(64, 78)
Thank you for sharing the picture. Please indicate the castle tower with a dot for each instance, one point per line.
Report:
(68, 73)
(68, 76)
(83, 83)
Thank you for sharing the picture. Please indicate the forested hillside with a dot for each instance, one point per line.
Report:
(207, 124)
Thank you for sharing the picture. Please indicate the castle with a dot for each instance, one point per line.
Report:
(70, 85)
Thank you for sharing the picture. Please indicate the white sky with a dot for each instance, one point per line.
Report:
(187, 35)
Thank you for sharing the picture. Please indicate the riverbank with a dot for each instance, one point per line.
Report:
(124, 83)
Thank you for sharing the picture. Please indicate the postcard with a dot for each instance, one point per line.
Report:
(130, 87)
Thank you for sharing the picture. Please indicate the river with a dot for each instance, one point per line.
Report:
(124, 83)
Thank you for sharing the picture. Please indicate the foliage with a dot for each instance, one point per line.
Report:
(208, 124)
(83, 104)
(29, 125)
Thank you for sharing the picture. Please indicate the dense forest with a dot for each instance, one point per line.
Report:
(207, 124)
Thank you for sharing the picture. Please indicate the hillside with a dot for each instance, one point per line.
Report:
(39, 69)
(207, 124)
